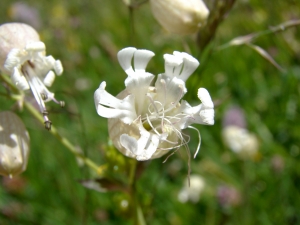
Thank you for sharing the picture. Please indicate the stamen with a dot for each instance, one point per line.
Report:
(48, 124)
(44, 96)
(152, 102)
(31, 79)
(163, 82)
(150, 124)
(199, 143)
(47, 121)
(61, 103)
(174, 104)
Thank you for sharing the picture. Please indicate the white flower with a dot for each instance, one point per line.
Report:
(145, 121)
(14, 145)
(240, 141)
(192, 189)
(22, 55)
(180, 16)
(31, 69)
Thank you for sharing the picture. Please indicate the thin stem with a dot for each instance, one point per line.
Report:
(246, 39)
(138, 214)
(132, 172)
(63, 140)
(131, 28)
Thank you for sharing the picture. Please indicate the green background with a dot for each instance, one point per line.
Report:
(86, 36)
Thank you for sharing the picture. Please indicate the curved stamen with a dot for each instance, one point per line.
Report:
(199, 143)
(152, 103)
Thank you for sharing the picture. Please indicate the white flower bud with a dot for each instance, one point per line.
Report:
(192, 189)
(14, 145)
(15, 35)
(241, 141)
(180, 16)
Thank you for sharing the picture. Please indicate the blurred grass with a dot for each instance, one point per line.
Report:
(85, 36)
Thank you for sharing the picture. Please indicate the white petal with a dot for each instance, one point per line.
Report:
(12, 60)
(49, 78)
(19, 80)
(139, 81)
(129, 143)
(190, 64)
(197, 114)
(35, 46)
(125, 56)
(58, 68)
(50, 60)
(207, 116)
(173, 65)
(122, 109)
(169, 91)
(141, 59)
(205, 98)
(150, 148)
(144, 147)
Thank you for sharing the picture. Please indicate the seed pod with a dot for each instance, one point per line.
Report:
(14, 145)
(180, 16)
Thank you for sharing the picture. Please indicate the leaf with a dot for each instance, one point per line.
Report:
(266, 56)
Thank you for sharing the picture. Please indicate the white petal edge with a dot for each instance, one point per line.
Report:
(190, 64)
(35, 46)
(49, 78)
(141, 59)
(58, 68)
(19, 80)
(12, 59)
(125, 57)
(173, 65)
(144, 147)
(205, 98)
(114, 107)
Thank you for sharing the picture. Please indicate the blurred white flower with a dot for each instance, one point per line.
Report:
(14, 145)
(180, 16)
(29, 67)
(193, 191)
(236, 136)
(145, 121)
(240, 141)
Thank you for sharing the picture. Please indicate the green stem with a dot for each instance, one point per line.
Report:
(132, 172)
(63, 140)
(246, 39)
(131, 28)
(138, 214)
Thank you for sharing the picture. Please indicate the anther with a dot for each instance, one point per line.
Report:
(45, 113)
(62, 104)
(44, 96)
(48, 124)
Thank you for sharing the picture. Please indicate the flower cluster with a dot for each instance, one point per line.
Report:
(145, 121)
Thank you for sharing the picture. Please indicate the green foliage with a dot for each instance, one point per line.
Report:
(85, 36)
